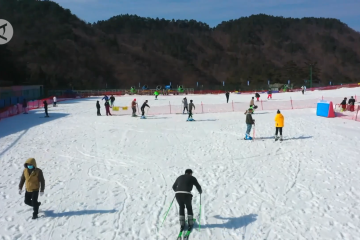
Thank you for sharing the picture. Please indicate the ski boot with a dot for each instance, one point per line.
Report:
(247, 137)
(190, 227)
(182, 227)
(143, 117)
(190, 222)
(281, 138)
(276, 138)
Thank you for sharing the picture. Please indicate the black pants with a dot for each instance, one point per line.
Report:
(142, 112)
(227, 99)
(190, 114)
(98, 112)
(278, 129)
(46, 112)
(31, 200)
(54, 104)
(134, 110)
(183, 200)
(186, 108)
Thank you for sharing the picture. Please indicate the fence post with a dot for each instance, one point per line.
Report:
(291, 103)
(261, 105)
(170, 107)
(202, 107)
(357, 113)
(233, 105)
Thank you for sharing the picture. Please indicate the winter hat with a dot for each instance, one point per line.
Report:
(134, 99)
(278, 111)
(190, 100)
(188, 171)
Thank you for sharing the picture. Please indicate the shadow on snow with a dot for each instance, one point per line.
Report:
(293, 138)
(233, 223)
(22, 123)
(50, 213)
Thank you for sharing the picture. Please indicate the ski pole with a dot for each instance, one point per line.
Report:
(200, 213)
(167, 211)
(254, 132)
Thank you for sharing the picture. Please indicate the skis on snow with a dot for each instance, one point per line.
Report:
(185, 234)
(180, 235)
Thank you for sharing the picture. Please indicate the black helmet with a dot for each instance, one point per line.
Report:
(188, 171)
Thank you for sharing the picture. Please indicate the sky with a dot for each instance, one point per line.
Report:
(214, 12)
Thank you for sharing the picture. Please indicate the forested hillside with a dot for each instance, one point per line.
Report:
(51, 46)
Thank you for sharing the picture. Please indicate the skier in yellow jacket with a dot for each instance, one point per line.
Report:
(34, 181)
(279, 124)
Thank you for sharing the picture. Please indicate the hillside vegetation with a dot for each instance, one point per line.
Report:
(51, 46)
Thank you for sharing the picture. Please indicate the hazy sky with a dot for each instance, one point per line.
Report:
(214, 12)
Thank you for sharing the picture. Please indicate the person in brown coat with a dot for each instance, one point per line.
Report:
(34, 181)
(133, 106)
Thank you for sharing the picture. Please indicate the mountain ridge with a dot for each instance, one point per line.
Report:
(126, 50)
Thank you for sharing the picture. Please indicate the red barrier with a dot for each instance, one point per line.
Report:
(348, 112)
(18, 108)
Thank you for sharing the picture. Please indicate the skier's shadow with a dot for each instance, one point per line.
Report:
(206, 120)
(285, 139)
(233, 223)
(50, 213)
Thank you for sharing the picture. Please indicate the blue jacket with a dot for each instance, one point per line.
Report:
(106, 98)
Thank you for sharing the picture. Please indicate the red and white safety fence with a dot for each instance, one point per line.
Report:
(269, 105)
(18, 108)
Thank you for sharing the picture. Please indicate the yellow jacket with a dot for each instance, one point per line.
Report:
(279, 120)
(33, 179)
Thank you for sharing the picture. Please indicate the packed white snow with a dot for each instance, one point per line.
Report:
(111, 177)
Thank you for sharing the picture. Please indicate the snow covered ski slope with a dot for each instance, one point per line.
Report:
(111, 177)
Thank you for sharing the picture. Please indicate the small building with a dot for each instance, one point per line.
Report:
(11, 95)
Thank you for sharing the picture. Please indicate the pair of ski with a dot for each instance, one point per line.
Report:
(186, 235)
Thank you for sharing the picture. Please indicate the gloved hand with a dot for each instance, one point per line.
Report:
(41, 194)
(20, 191)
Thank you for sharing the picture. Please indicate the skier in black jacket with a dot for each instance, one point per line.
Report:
(98, 108)
(351, 103)
(46, 108)
(143, 108)
(182, 187)
(257, 95)
(343, 104)
(227, 94)
(112, 100)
